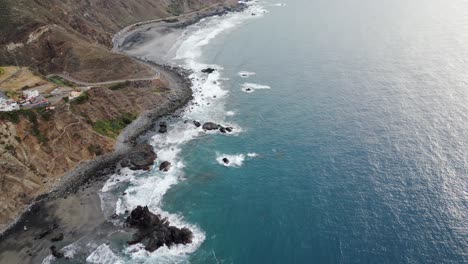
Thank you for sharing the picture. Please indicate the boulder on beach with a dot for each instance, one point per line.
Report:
(208, 70)
(140, 157)
(210, 126)
(154, 231)
(46, 232)
(165, 166)
(162, 127)
(58, 237)
(56, 253)
(196, 123)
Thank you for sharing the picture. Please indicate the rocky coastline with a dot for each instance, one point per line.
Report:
(81, 185)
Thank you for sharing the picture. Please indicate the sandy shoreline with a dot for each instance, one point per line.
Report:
(73, 207)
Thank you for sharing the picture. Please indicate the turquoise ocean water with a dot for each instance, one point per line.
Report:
(350, 141)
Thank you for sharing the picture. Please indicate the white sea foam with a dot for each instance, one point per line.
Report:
(246, 74)
(103, 255)
(48, 260)
(234, 160)
(230, 113)
(148, 188)
(252, 87)
(252, 155)
(279, 4)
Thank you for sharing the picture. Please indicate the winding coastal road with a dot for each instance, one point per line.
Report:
(117, 41)
(73, 80)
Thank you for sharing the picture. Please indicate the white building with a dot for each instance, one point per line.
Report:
(8, 105)
(30, 94)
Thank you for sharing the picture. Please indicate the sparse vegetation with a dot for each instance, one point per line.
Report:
(112, 128)
(81, 99)
(61, 81)
(13, 94)
(118, 86)
(95, 149)
(31, 115)
(2, 71)
(176, 7)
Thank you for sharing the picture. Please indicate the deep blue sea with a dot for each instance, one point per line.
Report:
(362, 138)
(350, 143)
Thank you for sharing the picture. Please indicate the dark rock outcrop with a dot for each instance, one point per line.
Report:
(226, 160)
(222, 129)
(154, 231)
(208, 70)
(139, 158)
(165, 166)
(210, 126)
(46, 232)
(56, 253)
(196, 123)
(229, 129)
(58, 237)
(162, 127)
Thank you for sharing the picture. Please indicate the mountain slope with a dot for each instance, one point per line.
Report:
(53, 36)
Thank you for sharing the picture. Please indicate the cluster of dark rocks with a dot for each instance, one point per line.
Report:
(154, 231)
(58, 237)
(214, 126)
(141, 157)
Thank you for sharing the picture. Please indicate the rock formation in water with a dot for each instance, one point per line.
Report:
(210, 126)
(154, 231)
(165, 166)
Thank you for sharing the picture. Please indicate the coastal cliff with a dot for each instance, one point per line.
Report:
(55, 36)
(38, 147)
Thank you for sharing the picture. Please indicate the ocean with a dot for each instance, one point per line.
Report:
(350, 140)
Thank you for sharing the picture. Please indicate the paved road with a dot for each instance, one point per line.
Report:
(73, 80)
(118, 38)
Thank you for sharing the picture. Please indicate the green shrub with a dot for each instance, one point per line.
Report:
(61, 81)
(81, 99)
(95, 149)
(31, 115)
(112, 128)
(118, 86)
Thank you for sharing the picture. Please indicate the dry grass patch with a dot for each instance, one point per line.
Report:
(17, 79)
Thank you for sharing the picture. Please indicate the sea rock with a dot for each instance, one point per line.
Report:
(196, 123)
(165, 166)
(229, 129)
(226, 160)
(56, 253)
(141, 157)
(58, 237)
(210, 126)
(208, 70)
(162, 127)
(154, 231)
(222, 129)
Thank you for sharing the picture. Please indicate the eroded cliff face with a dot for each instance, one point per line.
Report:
(38, 147)
(55, 36)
